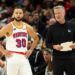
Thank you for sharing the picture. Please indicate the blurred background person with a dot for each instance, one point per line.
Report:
(47, 54)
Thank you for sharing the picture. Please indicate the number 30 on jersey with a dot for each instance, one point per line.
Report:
(21, 43)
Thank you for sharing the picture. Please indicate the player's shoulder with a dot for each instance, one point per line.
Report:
(27, 25)
(9, 24)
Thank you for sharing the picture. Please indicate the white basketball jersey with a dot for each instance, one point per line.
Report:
(17, 41)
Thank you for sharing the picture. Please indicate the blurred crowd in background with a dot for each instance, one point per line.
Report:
(39, 14)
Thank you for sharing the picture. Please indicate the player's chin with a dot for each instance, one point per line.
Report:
(19, 19)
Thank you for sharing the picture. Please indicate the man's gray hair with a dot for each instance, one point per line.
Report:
(59, 6)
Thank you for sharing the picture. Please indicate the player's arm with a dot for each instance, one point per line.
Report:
(32, 33)
(5, 52)
(4, 30)
(2, 49)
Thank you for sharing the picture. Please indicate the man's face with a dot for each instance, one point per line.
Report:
(36, 16)
(30, 19)
(18, 14)
(59, 14)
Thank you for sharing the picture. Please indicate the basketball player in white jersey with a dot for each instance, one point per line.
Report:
(16, 52)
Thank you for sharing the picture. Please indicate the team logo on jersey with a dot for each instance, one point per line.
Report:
(14, 29)
(69, 30)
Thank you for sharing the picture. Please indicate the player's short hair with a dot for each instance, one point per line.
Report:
(19, 7)
(59, 6)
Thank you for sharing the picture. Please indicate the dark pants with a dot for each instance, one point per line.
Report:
(63, 65)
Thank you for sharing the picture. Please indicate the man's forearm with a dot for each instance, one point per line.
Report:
(34, 44)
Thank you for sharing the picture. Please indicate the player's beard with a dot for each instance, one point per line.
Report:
(18, 19)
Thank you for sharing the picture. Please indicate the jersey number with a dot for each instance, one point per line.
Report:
(21, 43)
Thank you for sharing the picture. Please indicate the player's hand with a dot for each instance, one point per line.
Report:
(7, 53)
(28, 53)
(57, 47)
(72, 46)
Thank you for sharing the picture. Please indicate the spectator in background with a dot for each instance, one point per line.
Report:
(39, 9)
(71, 12)
(26, 4)
(40, 25)
(31, 7)
(47, 54)
(36, 58)
(3, 10)
(39, 45)
(37, 61)
(29, 43)
(36, 2)
(9, 2)
(26, 16)
(51, 22)
(48, 14)
(3, 6)
(9, 12)
(20, 2)
(67, 5)
(47, 4)
(30, 20)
